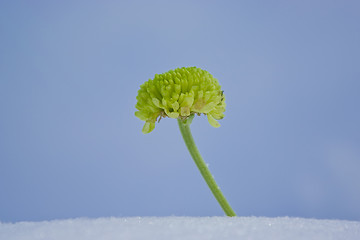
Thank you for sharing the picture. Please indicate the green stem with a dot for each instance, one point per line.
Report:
(184, 126)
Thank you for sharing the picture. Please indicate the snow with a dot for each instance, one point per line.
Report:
(168, 228)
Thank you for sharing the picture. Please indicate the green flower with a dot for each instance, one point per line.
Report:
(180, 93)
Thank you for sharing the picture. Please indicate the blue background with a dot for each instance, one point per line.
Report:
(70, 145)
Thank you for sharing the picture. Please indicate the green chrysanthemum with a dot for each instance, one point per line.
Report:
(180, 93)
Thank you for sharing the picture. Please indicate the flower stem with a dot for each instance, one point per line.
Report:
(184, 126)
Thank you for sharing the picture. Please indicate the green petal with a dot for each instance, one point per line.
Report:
(148, 127)
(212, 121)
(175, 106)
(142, 115)
(156, 102)
(185, 111)
(172, 114)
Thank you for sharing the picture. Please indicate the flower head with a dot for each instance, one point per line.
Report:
(180, 93)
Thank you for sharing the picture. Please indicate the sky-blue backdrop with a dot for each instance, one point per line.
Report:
(70, 145)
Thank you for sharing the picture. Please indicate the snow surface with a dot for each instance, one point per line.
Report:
(182, 228)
